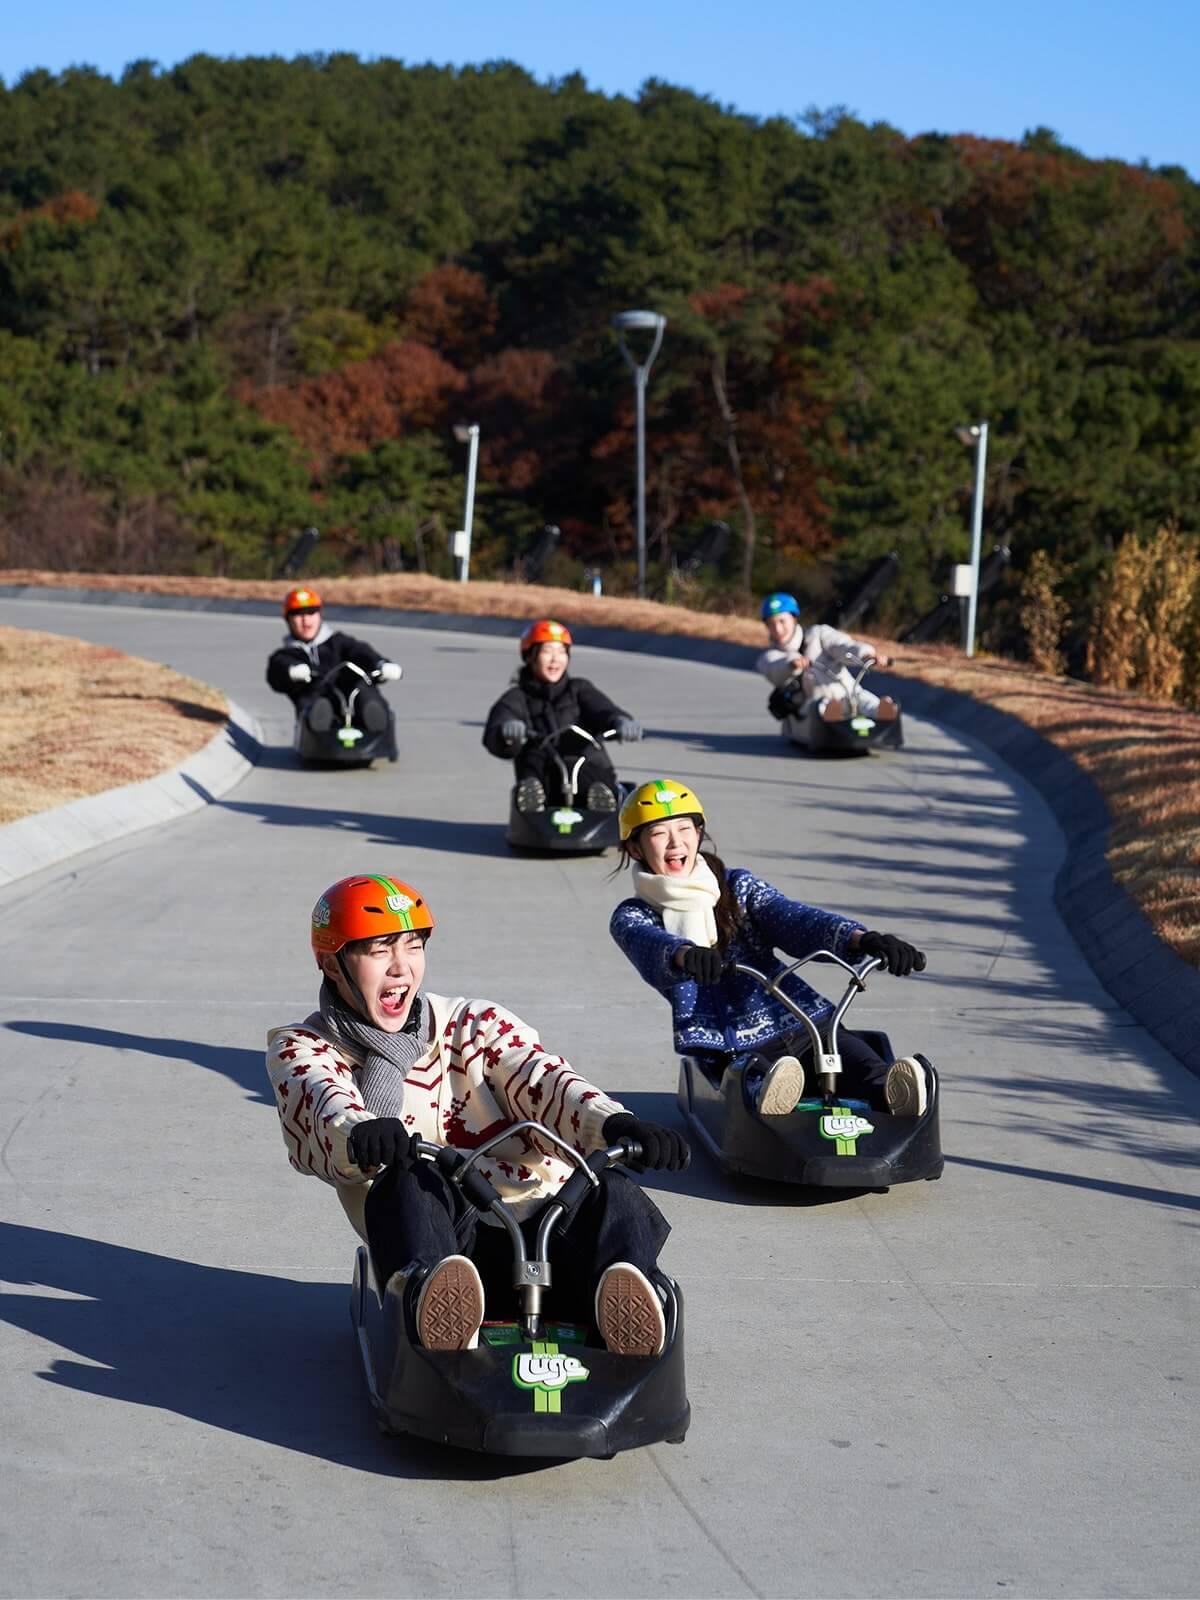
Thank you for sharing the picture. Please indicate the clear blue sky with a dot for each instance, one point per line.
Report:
(1111, 77)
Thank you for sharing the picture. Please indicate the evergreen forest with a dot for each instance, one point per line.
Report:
(239, 297)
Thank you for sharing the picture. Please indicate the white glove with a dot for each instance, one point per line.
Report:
(300, 673)
(390, 671)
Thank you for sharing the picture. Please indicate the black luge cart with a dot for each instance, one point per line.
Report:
(832, 1139)
(540, 1386)
(568, 827)
(346, 743)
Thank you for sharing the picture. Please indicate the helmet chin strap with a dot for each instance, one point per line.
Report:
(357, 998)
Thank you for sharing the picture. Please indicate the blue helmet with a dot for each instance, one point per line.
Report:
(777, 602)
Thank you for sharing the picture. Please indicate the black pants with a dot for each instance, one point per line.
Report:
(863, 1069)
(324, 711)
(537, 762)
(415, 1218)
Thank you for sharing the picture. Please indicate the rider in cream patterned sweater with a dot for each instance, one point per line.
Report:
(482, 1069)
(383, 1069)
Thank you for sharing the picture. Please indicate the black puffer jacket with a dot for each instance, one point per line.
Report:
(327, 650)
(546, 707)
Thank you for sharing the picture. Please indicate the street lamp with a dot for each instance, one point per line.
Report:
(974, 434)
(631, 322)
(460, 546)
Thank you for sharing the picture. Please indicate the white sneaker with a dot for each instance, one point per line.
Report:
(782, 1086)
(450, 1306)
(905, 1088)
(629, 1313)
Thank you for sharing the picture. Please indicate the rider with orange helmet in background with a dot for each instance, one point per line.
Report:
(383, 1063)
(310, 650)
(543, 699)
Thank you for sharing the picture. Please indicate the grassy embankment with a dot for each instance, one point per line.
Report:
(79, 718)
(1144, 756)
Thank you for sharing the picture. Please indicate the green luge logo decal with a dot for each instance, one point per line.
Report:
(845, 1128)
(544, 1370)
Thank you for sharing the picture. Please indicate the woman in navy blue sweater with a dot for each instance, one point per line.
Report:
(691, 918)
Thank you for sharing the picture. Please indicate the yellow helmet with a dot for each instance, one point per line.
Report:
(659, 798)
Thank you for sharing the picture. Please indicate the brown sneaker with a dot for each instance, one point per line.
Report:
(629, 1313)
(782, 1086)
(905, 1089)
(450, 1306)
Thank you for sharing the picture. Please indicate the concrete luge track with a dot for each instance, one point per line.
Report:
(985, 1385)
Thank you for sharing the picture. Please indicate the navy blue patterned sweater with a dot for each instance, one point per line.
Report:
(735, 1014)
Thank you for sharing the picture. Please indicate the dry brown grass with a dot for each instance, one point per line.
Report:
(78, 718)
(1144, 756)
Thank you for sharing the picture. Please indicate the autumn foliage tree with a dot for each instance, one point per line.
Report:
(239, 296)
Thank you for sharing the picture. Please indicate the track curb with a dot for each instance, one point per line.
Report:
(1139, 971)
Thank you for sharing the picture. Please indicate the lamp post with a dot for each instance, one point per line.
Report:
(629, 322)
(466, 433)
(975, 434)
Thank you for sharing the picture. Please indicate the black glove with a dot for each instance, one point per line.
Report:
(899, 957)
(513, 731)
(663, 1150)
(628, 730)
(706, 966)
(386, 1142)
(786, 700)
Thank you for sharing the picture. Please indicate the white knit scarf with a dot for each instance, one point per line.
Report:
(688, 905)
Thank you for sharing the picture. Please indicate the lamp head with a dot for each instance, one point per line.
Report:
(633, 321)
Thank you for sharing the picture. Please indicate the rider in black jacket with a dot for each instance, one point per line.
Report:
(310, 651)
(543, 699)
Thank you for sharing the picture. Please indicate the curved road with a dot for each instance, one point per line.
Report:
(982, 1386)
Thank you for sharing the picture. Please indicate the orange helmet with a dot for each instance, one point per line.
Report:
(544, 632)
(364, 908)
(301, 600)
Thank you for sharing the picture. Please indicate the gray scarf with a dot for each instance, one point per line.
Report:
(387, 1056)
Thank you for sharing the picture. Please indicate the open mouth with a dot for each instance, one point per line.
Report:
(393, 999)
(675, 862)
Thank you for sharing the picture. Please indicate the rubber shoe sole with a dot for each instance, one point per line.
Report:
(530, 796)
(374, 717)
(905, 1088)
(629, 1313)
(781, 1088)
(450, 1306)
(601, 798)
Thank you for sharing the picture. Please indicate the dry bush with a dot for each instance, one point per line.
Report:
(1044, 613)
(1116, 620)
(1169, 597)
(1144, 625)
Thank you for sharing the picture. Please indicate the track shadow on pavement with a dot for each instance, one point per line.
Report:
(264, 1357)
(245, 1068)
(418, 833)
(725, 744)
(1075, 1180)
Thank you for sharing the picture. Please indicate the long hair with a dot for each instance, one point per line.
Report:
(728, 913)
